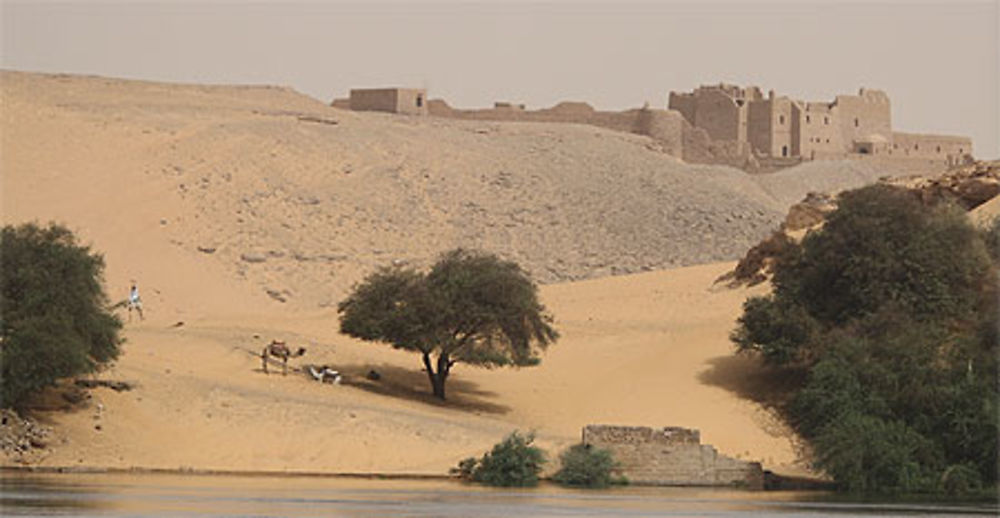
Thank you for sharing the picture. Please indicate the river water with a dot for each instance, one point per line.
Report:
(119, 495)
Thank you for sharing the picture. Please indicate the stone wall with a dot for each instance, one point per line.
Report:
(410, 101)
(671, 456)
(664, 126)
(942, 149)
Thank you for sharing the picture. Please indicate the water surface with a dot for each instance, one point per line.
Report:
(119, 495)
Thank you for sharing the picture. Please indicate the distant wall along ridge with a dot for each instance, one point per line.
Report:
(723, 124)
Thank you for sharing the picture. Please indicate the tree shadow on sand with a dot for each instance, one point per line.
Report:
(748, 378)
(413, 385)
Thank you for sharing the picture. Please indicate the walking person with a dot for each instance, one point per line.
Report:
(134, 302)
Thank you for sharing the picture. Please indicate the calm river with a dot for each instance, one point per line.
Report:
(224, 496)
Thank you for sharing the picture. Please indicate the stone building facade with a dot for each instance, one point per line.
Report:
(776, 127)
(724, 124)
(409, 101)
(671, 456)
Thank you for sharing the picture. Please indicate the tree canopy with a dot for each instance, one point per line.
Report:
(54, 316)
(888, 314)
(471, 307)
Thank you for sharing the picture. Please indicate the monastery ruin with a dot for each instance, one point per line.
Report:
(671, 456)
(724, 124)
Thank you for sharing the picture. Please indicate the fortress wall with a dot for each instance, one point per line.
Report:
(819, 132)
(373, 99)
(410, 101)
(670, 456)
(682, 103)
(718, 114)
(760, 126)
(946, 149)
(664, 126)
(781, 128)
(864, 115)
(343, 104)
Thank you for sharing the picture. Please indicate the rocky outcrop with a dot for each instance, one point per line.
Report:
(968, 187)
(22, 440)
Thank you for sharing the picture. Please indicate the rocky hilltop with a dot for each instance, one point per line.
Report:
(303, 199)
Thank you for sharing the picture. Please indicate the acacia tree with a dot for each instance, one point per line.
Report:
(471, 307)
(54, 319)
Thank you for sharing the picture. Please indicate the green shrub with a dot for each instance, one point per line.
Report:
(889, 312)
(866, 454)
(961, 480)
(586, 466)
(513, 462)
(54, 320)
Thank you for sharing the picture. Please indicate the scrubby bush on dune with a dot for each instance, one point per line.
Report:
(890, 311)
(513, 462)
(54, 320)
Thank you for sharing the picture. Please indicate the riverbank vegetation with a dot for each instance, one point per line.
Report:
(888, 316)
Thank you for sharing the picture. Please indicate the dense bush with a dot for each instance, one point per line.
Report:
(890, 312)
(513, 462)
(586, 466)
(54, 320)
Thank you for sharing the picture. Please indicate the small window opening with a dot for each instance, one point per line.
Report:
(781, 119)
(826, 120)
(420, 101)
(784, 150)
(939, 149)
(807, 119)
(916, 146)
(856, 123)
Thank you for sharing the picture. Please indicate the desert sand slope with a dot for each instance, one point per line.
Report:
(266, 185)
(643, 349)
(245, 213)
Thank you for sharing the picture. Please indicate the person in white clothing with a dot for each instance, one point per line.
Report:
(134, 302)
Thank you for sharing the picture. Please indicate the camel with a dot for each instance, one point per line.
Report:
(278, 349)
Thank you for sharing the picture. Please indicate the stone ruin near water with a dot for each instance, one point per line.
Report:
(671, 456)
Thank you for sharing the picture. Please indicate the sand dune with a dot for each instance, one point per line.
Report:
(245, 213)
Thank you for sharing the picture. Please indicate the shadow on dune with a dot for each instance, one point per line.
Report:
(413, 385)
(748, 378)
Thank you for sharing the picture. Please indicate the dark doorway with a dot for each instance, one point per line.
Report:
(784, 150)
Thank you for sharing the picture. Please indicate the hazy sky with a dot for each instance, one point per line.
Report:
(938, 61)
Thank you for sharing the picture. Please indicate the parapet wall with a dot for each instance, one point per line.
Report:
(671, 456)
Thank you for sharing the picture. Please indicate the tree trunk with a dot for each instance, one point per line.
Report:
(438, 378)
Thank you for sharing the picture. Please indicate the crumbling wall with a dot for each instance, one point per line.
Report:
(671, 456)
